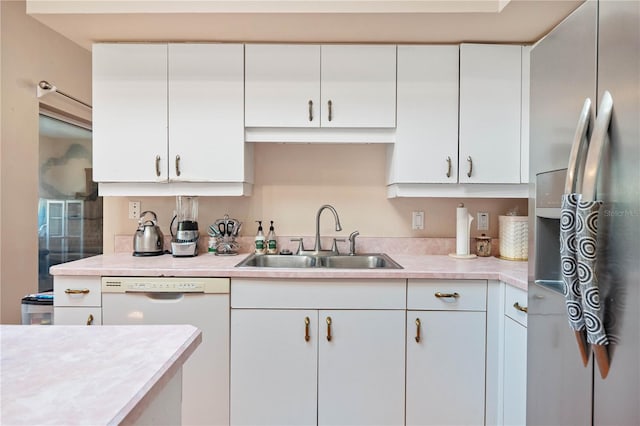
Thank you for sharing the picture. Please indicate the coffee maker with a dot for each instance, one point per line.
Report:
(184, 242)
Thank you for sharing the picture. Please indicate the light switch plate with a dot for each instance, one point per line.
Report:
(417, 220)
(483, 221)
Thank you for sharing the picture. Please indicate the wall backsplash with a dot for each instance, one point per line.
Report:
(293, 180)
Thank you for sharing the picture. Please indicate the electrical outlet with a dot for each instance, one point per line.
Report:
(483, 221)
(134, 209)
(417, 220)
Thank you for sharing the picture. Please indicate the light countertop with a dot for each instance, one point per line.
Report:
(414, 266)
(88, 375)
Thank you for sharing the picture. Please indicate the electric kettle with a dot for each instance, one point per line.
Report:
(148, 239)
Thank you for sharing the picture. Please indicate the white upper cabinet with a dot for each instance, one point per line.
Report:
(344, 86)
(130, 113)
(206, 101)
(358, 86)
(426, 147)
(490, 113)
(163, 113)
(282, 84)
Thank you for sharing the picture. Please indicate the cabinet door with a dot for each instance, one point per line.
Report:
(445, 368)
(206, 104)
(490, 111)
(426, 147)
(515, 373)
(361, 369)
(129, 112)
(282, 85)
(360, 83)
(273, 367)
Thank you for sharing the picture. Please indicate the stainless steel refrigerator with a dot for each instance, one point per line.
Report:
(593, 53)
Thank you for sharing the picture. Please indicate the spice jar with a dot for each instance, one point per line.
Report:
(483, 246)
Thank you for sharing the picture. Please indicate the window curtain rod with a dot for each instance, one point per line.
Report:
(44, 88)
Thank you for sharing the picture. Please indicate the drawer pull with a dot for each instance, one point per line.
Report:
(77, 291)
(90, 320)
(306, 329)
(447, 295)
(329, 329)
(417, 330)
(520, 308)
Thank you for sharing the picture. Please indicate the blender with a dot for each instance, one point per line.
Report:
(184, 242)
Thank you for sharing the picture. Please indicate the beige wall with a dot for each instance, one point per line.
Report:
(294, 180)
(30, 52)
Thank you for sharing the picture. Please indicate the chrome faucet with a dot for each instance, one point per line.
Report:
(317, 249)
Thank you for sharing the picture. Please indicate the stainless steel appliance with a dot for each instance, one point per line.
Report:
(185, 239)
(202, 302)
(148, 239)
(594, 53)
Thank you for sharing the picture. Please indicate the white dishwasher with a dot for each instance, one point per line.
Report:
(202, 302)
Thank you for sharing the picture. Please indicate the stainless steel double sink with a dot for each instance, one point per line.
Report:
(357, 261)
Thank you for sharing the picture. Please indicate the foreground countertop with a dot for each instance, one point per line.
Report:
(414, 266)
(88, 375)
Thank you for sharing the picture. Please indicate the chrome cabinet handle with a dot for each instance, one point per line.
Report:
(578, 148)
(158, 165)
(448, 166)
(310, 110)
(77, 291)
(446, 295)
(330, 105)
(177, 165)
(470, 166)
(596, 147)
(520, 308)
(329, 329)
(417, 330)
(90, 320)
(306, 329)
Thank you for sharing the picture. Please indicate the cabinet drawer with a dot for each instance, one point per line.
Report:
(515, 300)
(76, 291)
(77, 316)
(447, 295)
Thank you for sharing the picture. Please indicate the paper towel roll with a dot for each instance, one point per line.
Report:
(463, 229)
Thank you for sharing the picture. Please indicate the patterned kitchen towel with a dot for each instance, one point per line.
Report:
(569, 261)
(587, 230)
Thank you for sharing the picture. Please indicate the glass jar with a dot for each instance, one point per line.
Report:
(483, 246)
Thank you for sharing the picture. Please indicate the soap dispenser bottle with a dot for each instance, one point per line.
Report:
(272, 244)
(260, 243)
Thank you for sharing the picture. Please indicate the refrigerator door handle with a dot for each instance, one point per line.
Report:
(578, 148)
(596, 148)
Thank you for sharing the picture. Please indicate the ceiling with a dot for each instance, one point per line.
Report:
(361, 21)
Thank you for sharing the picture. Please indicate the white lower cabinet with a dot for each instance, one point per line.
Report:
(274, 367)
(446, 331)
(77, 300)
(336, 366)
(514, 398)
(361, 368)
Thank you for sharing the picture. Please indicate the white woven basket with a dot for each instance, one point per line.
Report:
(514, 237)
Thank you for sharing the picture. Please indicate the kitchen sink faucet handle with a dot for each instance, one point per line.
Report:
(334, 248)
